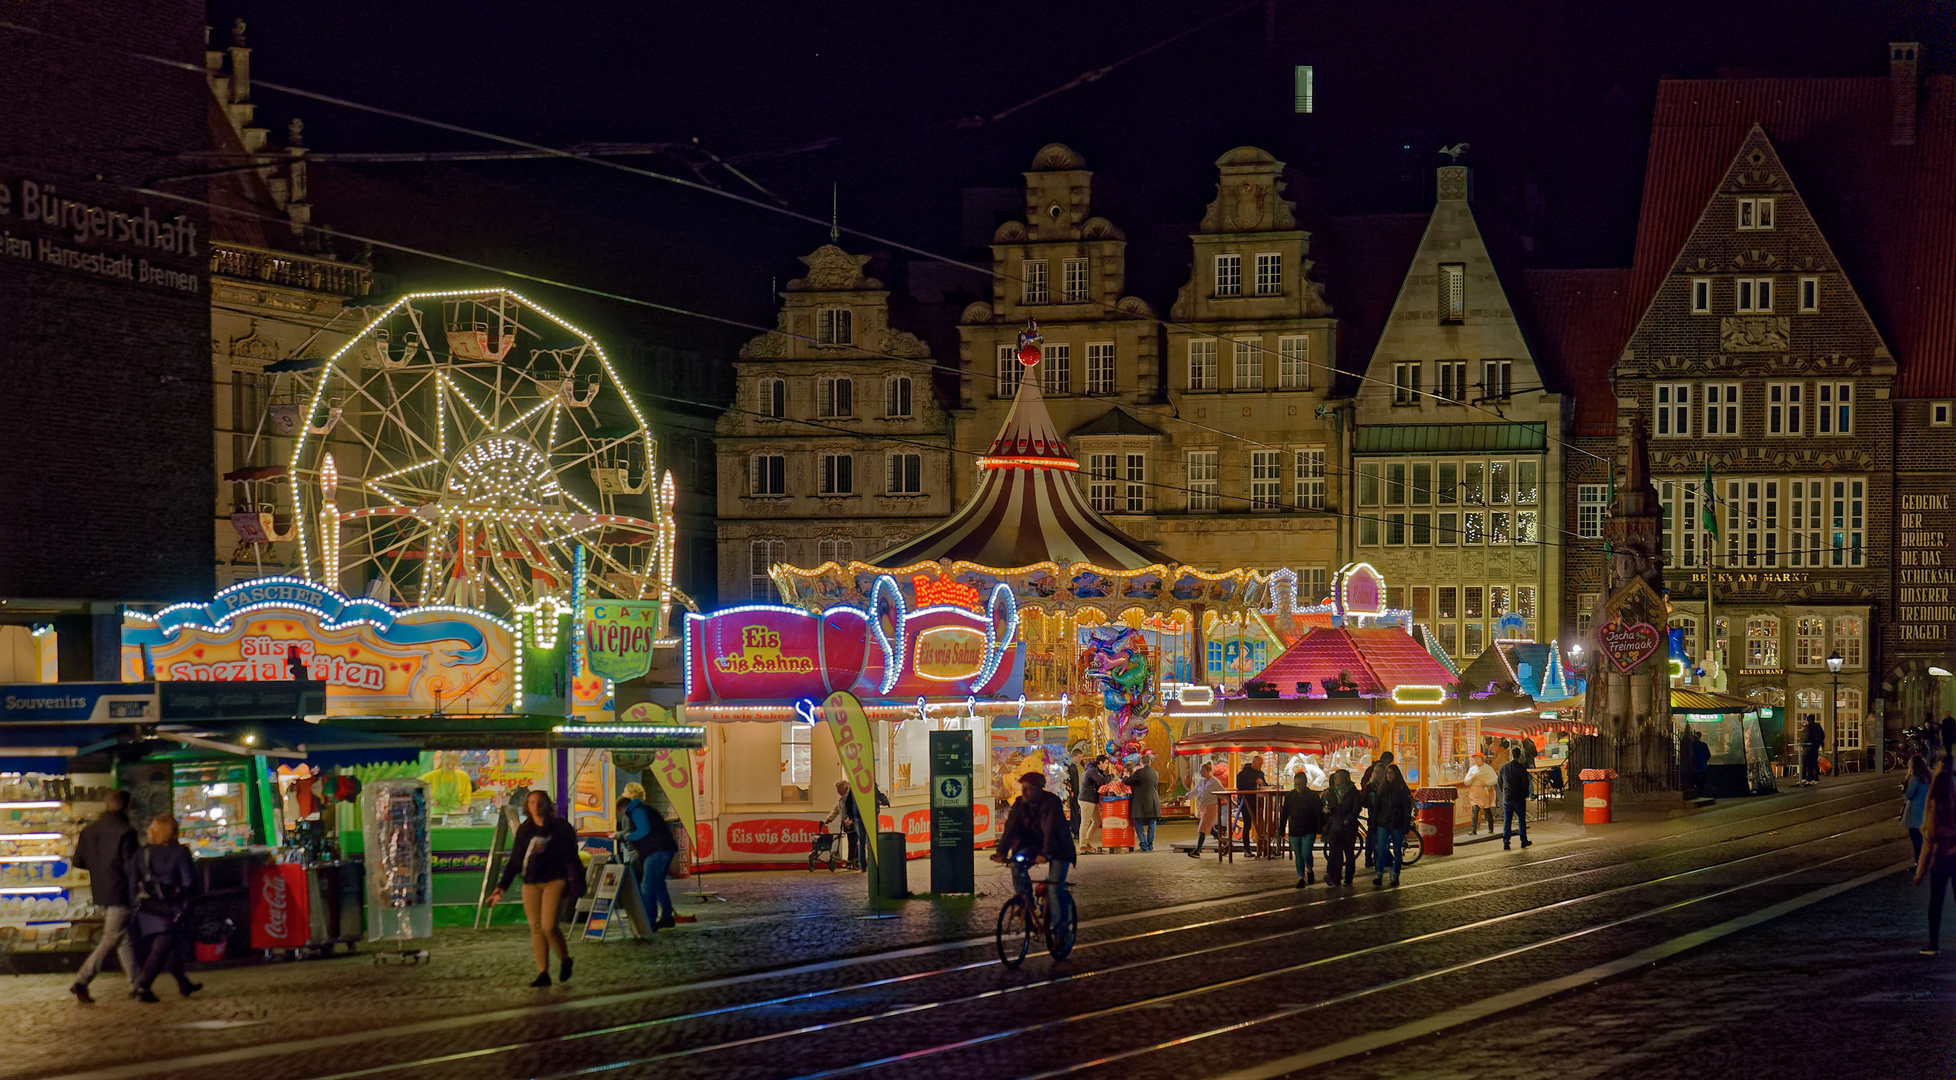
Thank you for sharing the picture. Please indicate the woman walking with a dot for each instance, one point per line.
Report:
(545, 850)
(1340, 828)
(164, 885)
(1303, 821)
(651, 839)
(1203, 797)
(1938, 860)
(1392, 815)
(1915, 797)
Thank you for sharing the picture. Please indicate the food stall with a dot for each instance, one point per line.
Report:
(1294, 748)
(1741, 759)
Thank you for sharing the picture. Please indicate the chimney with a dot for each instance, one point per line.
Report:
(1904, 62)
(1455, 184)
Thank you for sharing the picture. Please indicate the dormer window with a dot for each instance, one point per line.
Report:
(1755, 214)
(835, 326)
(1229, 275)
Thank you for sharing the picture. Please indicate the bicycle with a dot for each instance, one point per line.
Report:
(1029, 912)
(1415, 846)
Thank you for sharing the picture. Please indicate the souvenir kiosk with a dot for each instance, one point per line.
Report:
(1025, 590)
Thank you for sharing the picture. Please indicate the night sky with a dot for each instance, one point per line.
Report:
(1554, 99)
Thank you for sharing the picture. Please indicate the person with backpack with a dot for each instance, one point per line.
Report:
(545, 852)
(650, 838)
(164, 884)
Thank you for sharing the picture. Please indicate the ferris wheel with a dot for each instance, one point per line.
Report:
(471, 448)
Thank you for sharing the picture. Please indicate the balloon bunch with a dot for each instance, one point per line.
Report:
(1118, 661)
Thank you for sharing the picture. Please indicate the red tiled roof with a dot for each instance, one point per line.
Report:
(1582, 318)
(1888, 211)
(1377, 660)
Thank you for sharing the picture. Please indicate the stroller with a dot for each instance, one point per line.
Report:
(825, 847)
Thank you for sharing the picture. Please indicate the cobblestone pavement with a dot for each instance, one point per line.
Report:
(1171, 949)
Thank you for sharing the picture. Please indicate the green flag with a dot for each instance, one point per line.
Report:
(1708, 503)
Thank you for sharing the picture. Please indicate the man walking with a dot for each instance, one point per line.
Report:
(1249, 778)
(1340, 828)
(1146, 806)
(1514, 799)
(1812, 738)
(104, 850)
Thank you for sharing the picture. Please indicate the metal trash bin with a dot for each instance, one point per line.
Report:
(1433, 817)
(892, 873)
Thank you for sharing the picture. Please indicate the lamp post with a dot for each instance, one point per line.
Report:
(1834, 709)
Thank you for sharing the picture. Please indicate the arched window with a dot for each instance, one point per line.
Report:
(1762, 642)
(1847, 719)
(1809, 641)
(1773, 697)
(1847, 638)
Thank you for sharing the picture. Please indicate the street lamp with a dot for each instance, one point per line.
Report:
(1834, 662)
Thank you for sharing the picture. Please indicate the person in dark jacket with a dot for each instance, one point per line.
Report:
(1812, 738)
(1528, 752)
(1036, 827)
(1340, 828)
(1146, 806)
(1249, 778)
(1366, 784)
(1091, 780)
(1700, 762)
(1303, 821)
(1513, 784)
(545, 850)
(104, 849)
(1948, 734)
(1392, 815)
(1073, 778)
(651, 840)
(163, 884)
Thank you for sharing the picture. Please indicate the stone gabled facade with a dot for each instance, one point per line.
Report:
(835, 447)
(1755, 359)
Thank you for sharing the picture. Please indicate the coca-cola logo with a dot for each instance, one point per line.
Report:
(1627, 645)
(275, 894)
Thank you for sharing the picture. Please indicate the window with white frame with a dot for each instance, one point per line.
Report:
(1759, 522)
(896, 396)
(1939, 413)
(1754, 294)
(1202, 364)
(1103, 481)
(1202, 479)
(835, 397)
(1809, 641)
(1450, 380)
(1419, 531)
(1809, 294)
(1847, 719)
(1474, 602)
(1269, 273)
(1497, 378)
(767, 474)
(1100, 367)
(1762, 642)
(1585, 610)
(1294, 362)
(904, 473)
(1846, 510)
(1473, 482)
(773, 399)
(835, 549)
(1848, 637)
(1422, 483)
(1783, 409)
(1010, 371)
(1701, 295)
(1229, 275)
(1073, 281)
(1453, 292)
(1592, 505)
(838, 474)
(1248, 363)
(1266, 479)
(1056, 368)
(1137, 483)
(1805, 527)
(1833, 408)
(1302, 93)
(1405, 384)
(1368, 483)
(1733, 505)
(761, 557)
(1032, 282)
(1308, 475)
(1755, 213)
(1721, 409)
(1527, 484)
(835, 326)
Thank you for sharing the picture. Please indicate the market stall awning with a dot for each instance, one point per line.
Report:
(315, 744)
(1273, 739)
(1379, 660)
(47, 747)
(1691, 700)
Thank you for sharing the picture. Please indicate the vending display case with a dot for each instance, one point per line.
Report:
(399, 860)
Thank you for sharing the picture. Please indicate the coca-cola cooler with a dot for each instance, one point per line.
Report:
(305, 910)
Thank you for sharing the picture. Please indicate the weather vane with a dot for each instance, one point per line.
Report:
(1454, 151)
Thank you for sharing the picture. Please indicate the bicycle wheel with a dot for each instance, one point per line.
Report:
(1415, 847)
(1014, 936)
(1061, 932)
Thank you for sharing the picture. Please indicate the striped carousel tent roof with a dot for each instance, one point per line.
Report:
(1028, 508)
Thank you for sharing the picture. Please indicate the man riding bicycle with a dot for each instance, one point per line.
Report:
(1036, 831)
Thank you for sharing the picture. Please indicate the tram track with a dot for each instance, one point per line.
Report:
(1722, 833)
(997, 993)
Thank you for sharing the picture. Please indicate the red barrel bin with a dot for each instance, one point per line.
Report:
(1596, 795)
(1116, 825)
(1433, 817)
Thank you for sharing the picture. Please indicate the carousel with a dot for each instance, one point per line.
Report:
(1026, 616)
